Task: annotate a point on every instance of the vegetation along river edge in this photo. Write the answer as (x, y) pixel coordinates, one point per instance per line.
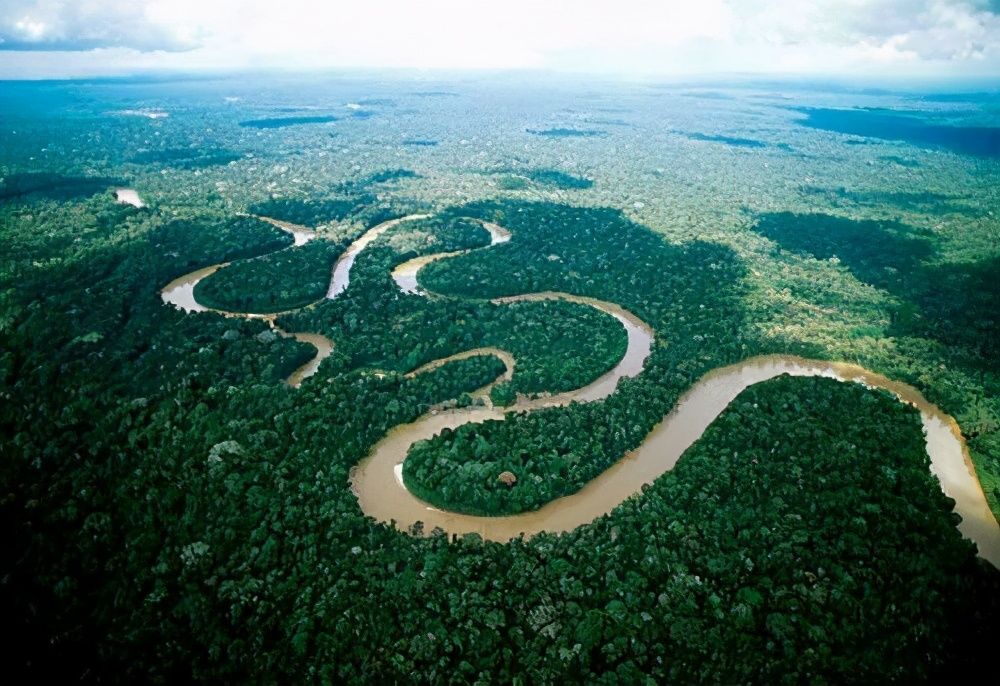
(378, 480)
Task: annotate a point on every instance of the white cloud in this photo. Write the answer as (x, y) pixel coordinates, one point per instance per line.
(83, 25)
(643, 36)
(915, 33)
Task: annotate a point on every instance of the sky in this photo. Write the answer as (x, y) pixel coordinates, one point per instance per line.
(912, 38)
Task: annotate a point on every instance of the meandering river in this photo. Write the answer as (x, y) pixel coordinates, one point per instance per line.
(377, 480)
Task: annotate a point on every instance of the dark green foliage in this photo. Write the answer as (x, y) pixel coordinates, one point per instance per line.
(768, 556)
(558, 346)
(955, 303)
(389, 175)
(176, 514)
(124, 326)
(375, 178)
(501, 395)
(513, 183)
(419, 237)
(308, 212)
(53, 186)
(557, 179)
(877, 251)
(284, 280)
(548, 178)
(188, 244)
(689, 294)
(282, 122)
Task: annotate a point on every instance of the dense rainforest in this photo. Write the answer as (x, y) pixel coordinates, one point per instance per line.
(181, 514)
(558, 345)
(176, 512)
(280, 281)
(457, 470)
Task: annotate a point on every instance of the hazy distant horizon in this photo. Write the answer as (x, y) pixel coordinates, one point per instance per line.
(530, 78)
(629, 39)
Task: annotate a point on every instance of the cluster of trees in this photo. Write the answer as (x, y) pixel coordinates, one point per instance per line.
(941, 309)
(553, 178)
(734, 141)
(362, 209)
(565, 345)
(283, 280)
(558, 346)
(308, 212)
(551, 453)
(952, 302)
(175, 513)
(691, 295)
(375, 178)
(184, 245)
(694, 297)
(112, 262)
(428, 235)
(547, 178)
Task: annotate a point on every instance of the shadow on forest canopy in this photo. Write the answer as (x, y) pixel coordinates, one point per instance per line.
(282, 122)
(54, 186)
(981, 141)
(732, 141)
(952, 303)
(920, 201)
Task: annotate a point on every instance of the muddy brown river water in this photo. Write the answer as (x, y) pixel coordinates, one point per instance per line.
(377, 480)
(378, 485)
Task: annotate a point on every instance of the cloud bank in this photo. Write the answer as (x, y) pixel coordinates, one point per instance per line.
(81, 25)
(918, 37)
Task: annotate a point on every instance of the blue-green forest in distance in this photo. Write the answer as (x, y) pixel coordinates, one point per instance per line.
(178, 511)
